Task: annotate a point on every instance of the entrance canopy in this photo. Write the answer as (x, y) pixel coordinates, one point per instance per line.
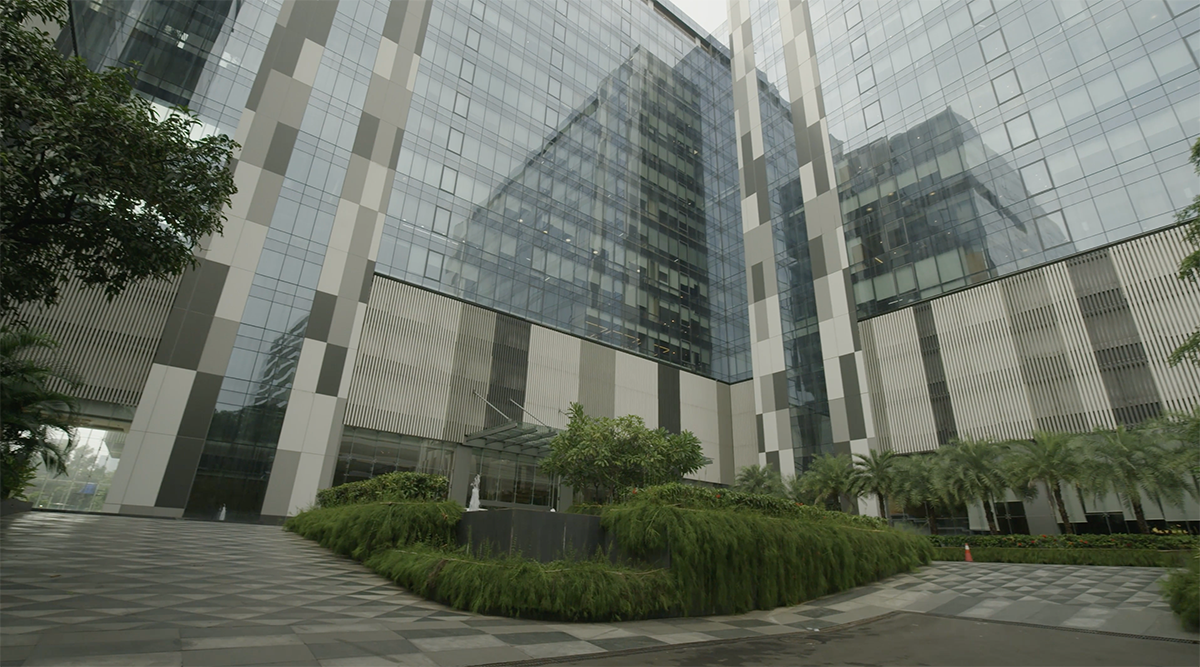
(514, 438)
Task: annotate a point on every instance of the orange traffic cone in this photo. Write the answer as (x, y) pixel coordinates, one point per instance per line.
(968, 552)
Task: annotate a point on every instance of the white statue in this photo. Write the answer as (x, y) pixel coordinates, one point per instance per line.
(473, 506)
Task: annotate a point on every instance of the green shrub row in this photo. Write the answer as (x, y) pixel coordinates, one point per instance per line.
(393, 486)
(363, 529)
(699, 497)
(1181, 589)
(729, 562)
(590, 590)
(1122, 557)
(1163, 542)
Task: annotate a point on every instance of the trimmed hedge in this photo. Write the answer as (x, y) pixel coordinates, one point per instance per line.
(395, 486)
(729, 562)
(363, 529)
(1119, 541)
(1123, 557)
(590, 590)
(1181, 589)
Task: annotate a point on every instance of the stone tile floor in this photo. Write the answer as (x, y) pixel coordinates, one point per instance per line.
(108, 590)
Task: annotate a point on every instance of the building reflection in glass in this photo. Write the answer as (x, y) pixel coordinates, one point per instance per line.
(933, 209)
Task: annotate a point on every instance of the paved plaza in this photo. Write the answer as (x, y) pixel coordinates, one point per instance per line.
(106, 590)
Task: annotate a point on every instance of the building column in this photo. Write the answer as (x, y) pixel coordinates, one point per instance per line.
(841, 349)
(771, 408)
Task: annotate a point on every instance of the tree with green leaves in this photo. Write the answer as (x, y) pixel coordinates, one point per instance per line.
(760, 479)
(827, 479)
(1048, 459)
(1189, 267)
(875, 473)
(1129, 462)
(96, 185)
(34, 416)
(918, 482)
(1180, 432)
(608, 456)
(973, 472)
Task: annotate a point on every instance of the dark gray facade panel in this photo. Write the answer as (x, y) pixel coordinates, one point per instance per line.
(855, 418)
(668, 398)
(333, 365)
(199, 410)
(280, 151)
(725, 432)
(180, 472)
(321, 318)
(189, 346)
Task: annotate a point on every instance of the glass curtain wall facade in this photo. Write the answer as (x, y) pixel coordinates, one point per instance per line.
(574, 164)
(975, 139)
(570, 163)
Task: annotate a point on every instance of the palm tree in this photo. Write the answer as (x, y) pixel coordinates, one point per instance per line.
(972, 471)
(31, 411)
(759, 479)
(1129, 462)
(1049, 459)
(1180, 432)
(875, 473)
(828, 477)
(917, 482)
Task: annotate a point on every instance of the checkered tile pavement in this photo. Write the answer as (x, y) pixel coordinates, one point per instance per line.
(91, 590)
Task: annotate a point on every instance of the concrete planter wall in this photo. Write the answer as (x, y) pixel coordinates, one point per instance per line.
(14, 506)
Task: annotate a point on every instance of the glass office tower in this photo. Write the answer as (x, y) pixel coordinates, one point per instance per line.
(985, 137)
(572, 164)
(799, 233)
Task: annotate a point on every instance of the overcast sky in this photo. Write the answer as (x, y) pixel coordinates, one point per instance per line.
(708, 13)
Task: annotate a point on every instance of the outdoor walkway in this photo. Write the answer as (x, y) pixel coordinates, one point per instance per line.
(107, 590)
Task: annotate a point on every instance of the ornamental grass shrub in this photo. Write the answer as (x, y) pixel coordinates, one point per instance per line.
(728, 553)
(360, 530)
(731, 560)
(395, 486)
(1111, 557)
(1181, 589)
(699, 497)
(566, 590)
(1116, 541)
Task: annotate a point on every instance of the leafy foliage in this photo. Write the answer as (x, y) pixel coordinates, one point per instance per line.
(95, 185)
(1189, 266)
(609, 456)
(1102, 557)
(1046, 459)
(972, 471)
(728, 562)
(360, 530)
(589, 590)
(828, 477)
(395, 486)
(918, 483)
(1181, 589)
(32, 412)
(875, 474)
(1130, 462)
(760, 479)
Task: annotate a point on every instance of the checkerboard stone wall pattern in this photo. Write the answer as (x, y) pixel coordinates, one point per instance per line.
(849, 404)
(89, 590)
(171, 423)
(772, 413)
